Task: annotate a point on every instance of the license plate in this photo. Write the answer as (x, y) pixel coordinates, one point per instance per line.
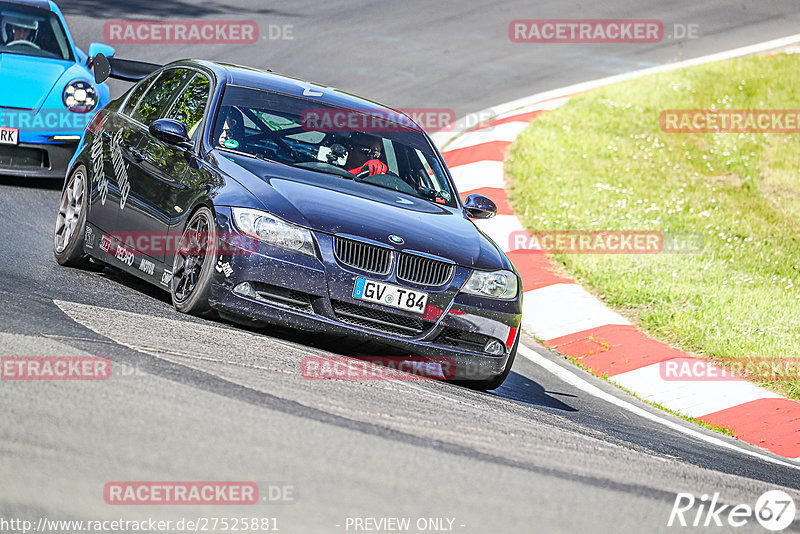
(389, 295)
(9, 136)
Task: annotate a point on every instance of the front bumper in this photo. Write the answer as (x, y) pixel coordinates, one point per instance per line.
(36, 160)
(305, 293)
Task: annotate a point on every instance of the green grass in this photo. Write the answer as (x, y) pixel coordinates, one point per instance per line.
(602, 162)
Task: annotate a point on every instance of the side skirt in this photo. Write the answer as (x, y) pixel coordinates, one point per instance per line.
(102, 246)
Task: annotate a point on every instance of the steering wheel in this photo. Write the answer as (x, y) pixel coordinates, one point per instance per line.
(24, 42)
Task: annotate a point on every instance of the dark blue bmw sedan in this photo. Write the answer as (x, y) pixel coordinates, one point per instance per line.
(269, 200)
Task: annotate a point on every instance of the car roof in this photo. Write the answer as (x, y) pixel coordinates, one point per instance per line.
(281, 83)
(41, 4)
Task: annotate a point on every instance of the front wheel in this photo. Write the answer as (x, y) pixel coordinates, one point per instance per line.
(497, 381)
(71, 221)
(193, 267)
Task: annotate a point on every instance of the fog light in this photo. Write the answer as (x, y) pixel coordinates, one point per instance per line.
(494, 347)
(246, 290)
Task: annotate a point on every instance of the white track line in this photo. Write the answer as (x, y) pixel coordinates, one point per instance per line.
(507, 131)
(539, 318)
(465, 123)
(574, 380)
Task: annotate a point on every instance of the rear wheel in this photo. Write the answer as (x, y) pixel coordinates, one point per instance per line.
(193, 266)
(71, 221)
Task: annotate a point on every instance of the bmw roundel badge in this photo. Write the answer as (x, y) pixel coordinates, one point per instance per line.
(396, 239)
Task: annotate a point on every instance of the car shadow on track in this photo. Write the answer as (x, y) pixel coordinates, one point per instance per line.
(520, 388)
(517, 387)
(335, 344)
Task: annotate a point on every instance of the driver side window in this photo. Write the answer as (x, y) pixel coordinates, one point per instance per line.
(153, 104)
(191, 104)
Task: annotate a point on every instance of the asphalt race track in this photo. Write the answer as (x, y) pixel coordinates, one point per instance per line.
(203, 400)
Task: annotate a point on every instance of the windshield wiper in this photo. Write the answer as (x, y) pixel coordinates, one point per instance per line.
(327, 168)
(388, 188)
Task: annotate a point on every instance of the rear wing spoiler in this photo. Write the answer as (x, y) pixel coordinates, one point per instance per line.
(121, 69)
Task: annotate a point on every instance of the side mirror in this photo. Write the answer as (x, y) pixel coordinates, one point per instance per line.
(480, 207)
(100, 48)
(96, 49)
(172, 132)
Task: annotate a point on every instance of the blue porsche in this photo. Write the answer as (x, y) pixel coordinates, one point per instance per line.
(47, 93)
(265, 200)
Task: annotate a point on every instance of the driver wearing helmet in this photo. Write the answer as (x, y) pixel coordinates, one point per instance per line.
(364, 152)
(20, 30)
(230, 129)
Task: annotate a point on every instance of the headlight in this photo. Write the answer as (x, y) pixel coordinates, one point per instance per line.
(272, 230)
(495, 284)
(79, 96)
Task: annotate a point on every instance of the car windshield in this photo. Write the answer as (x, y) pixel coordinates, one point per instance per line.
(30, 31)
(383, 151)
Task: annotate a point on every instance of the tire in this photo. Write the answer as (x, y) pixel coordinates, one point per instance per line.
(193, 267)
(497, 381)
(69, 233)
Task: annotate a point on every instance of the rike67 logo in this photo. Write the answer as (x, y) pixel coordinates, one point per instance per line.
(774, 510)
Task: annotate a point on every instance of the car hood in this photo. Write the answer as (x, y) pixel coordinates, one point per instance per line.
(336, 205)
(27, 80)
